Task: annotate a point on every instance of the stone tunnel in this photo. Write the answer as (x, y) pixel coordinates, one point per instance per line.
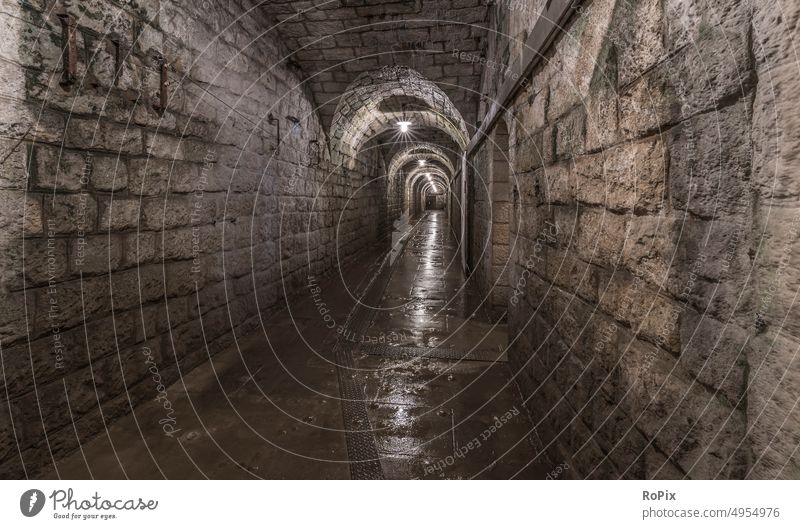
(366, 239)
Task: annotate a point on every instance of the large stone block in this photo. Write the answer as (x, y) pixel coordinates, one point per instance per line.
(137, 286)
(139, 247)
(569, 272)
(776, 135)
(101, 68)
(176, 211)
(711, 267)
(528, 153)
(650, 247)
(618, 436)
(17, 316)
(684, 421)
(14, 169)
(570, 134)
(103, 135)
(96, 254)
(600, 236)
(96, 16)
(33, 44)
(109, 173)
(34, 262)
(650, 314)
(30, 121)
(182, 243)
(709, 168)
(117, 214)
(605, 344)
(602, 118)
(21, 214)
(698, 78)
(776, 274)
(771, 23)
(687, 21)
(74, 213)
(554, 184)
(149, 176)
(716, 354)
(630, 176)
(64, 350)
(67, 304)
(637, 33)
(773, 420)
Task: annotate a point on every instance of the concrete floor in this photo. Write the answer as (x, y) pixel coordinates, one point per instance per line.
(270, 406)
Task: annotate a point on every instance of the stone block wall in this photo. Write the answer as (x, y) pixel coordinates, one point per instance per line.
(131, 231)
(479, 218)
(655, 241)
(489, 228)
(455, 204)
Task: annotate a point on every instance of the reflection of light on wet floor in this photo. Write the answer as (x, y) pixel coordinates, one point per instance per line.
(401, 417)
(431, 308)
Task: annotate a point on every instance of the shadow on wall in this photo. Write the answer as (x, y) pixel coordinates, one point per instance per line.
(655, 334)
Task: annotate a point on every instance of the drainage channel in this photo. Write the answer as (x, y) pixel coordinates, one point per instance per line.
(426, 352)
(361, 449)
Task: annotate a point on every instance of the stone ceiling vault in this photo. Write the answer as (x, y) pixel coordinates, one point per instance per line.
(335, 41)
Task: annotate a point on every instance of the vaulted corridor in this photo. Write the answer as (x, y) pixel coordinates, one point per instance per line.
(380, 239)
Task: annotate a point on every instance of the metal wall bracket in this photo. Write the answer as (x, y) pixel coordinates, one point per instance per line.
(69, 54)
(313, 153)
(163, 84)
(272, 120)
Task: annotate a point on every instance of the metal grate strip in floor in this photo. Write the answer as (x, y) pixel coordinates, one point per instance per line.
(430, 352)
(361, 449)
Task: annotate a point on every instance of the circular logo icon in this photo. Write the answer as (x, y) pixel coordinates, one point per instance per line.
(31, 502)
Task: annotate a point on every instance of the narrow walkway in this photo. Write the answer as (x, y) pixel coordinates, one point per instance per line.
(431, 367)
(441, 400)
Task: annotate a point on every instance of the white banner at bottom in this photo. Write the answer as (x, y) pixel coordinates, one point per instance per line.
(398, 504)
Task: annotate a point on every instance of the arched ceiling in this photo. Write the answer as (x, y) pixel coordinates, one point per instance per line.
(420, 183)
(434, 137)
(416, 152)
(376, 101)
(420, 177)
(334, 41)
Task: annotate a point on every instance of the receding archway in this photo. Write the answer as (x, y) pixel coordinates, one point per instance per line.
(377, 101)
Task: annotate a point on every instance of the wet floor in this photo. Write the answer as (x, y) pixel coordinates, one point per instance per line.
(438, 395)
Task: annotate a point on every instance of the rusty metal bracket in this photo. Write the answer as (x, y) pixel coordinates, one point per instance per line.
(163, 93)
(313, 153)
(118, 59)
(272, 120)
(69, 54)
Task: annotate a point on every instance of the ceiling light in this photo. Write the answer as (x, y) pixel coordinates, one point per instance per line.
(403, 126)
(421, 163)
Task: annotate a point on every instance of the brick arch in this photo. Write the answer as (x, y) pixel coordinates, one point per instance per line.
(419, 151)
(436, 173)
(409, 154)
(416, 178)
(362, 111)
